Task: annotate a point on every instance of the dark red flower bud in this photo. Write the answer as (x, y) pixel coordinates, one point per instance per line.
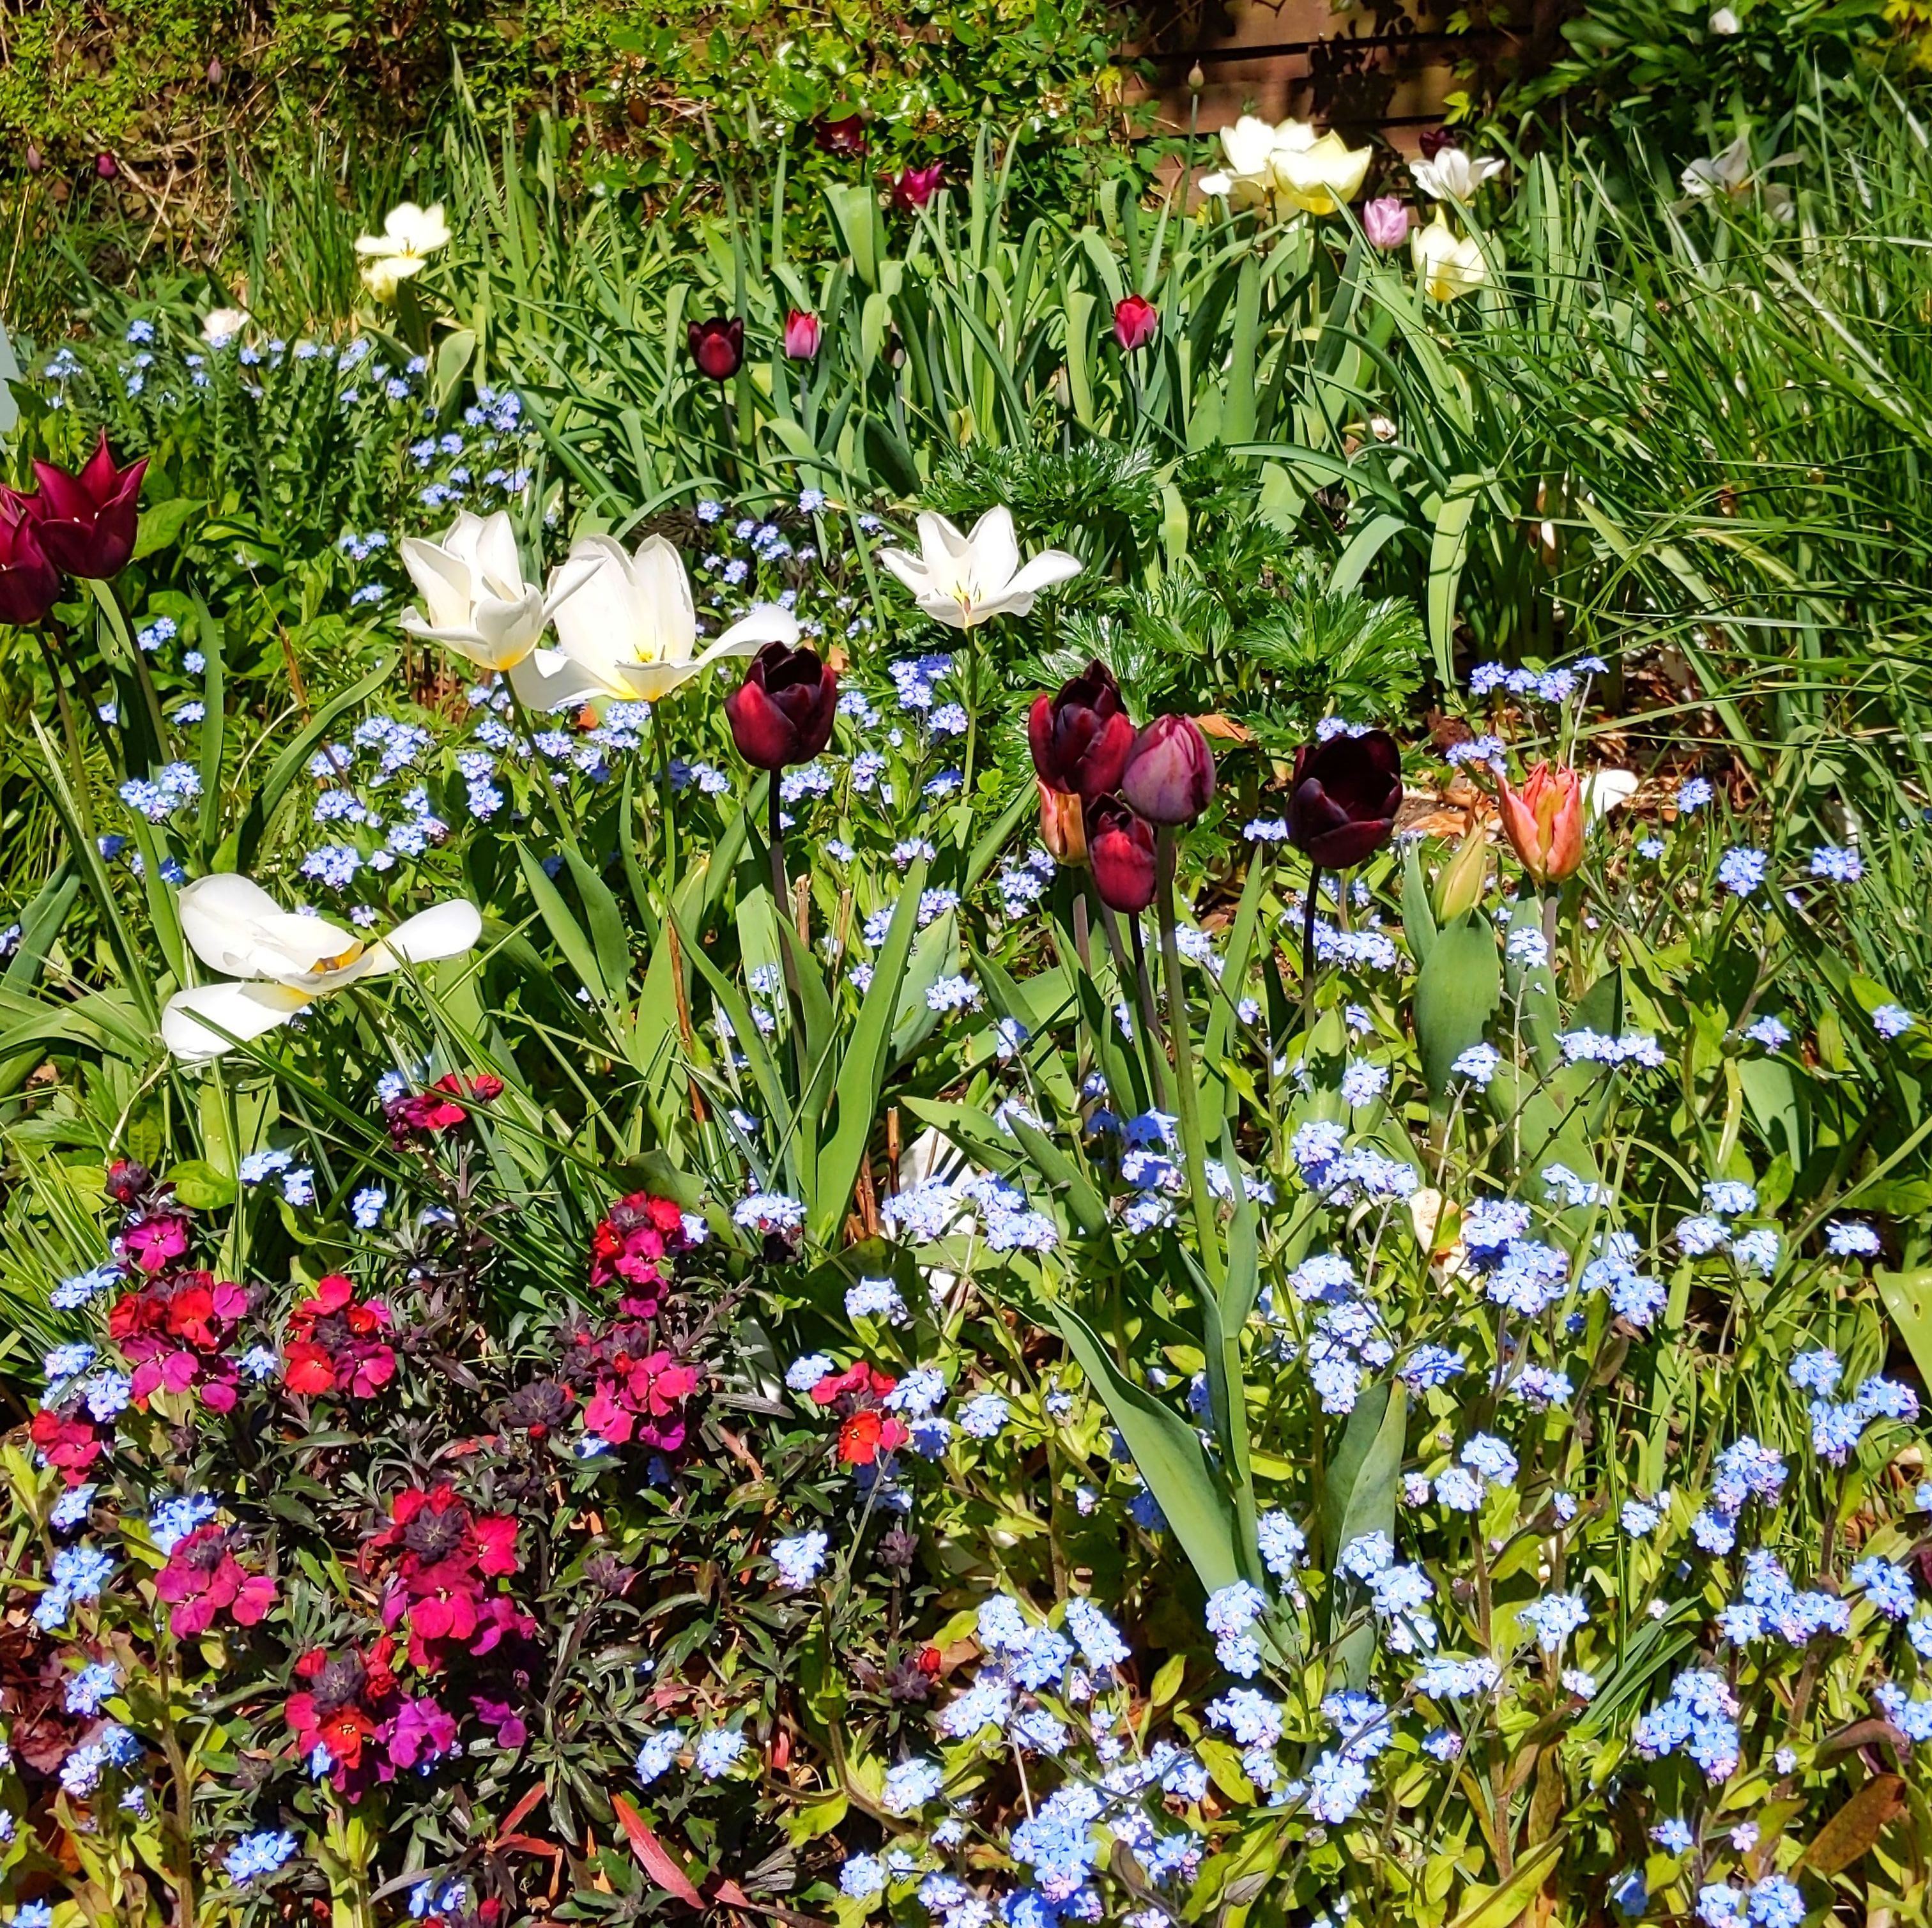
(916, 187)
(85, 523)
(717, 346)
(782, 713)
(104, 166)
(844, 136)
(1081, 737)
(1170, 772)
(1120, 846)
(1135, 320)
(1347, 793)
(29, 582)
(1434, 139)
(34, 161)
(128, 1178)
(214, 71)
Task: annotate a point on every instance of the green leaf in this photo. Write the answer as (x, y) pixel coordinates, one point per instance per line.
(1418, 920)
(566, 932)
(1359, 1496)
(1498, 1907)
(1170, 1458)
(161, 524)
(1448, 548)
(1458, 986)
(1908, 1298)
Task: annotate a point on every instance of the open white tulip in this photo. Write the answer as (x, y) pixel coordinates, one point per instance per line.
(1316, 172)
(1453, 176)
(1249, 144)
(285, 961)
(627, 628)
(1731, 174)
(1446, 266)
(963, 581)
(410, 235)
(479, 604)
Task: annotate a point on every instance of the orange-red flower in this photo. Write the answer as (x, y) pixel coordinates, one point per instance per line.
(1544, 821)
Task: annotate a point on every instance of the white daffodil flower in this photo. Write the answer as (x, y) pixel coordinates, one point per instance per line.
(285, 961)
(1316, 172)
(410, 235)
(964, 580)
(627, 628)
(479, 605)
(1447, 265)
(1249, 146)
(1453, 176)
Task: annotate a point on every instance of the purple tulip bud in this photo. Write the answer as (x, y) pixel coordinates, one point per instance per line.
(35, 163)
(1170, 773)
(1385, 221)
(214, 71)
(104, 167)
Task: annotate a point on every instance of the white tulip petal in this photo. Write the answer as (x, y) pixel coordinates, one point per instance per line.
(497, 559)
(1042, 572)
(547, 679)
(443, 579)
(211, 1019)
(910, 569)
(445, 930)
(664, 620)
(765, 622)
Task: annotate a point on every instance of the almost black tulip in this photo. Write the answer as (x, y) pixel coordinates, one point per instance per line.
(717, 346)
(782, 713)
(1081, 737)
(1347, 793)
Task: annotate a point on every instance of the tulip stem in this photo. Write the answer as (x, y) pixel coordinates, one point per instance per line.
(667, 835)
(1156, 1055)
(1308, 958)
(781, 910)
(1193, 1147)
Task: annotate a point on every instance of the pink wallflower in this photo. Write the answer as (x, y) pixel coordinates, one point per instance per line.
(202, 1576)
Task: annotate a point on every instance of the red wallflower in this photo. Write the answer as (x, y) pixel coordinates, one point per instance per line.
(439, 1585)
(858, 1381)
(68, 1440)
(202, 1576)
(432, 1112)
(336, 1344)
(347, 1700)
(175, 1332)
(643, 1399)
(627, 1247)
(869, 1430)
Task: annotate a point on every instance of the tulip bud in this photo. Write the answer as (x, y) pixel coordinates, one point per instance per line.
(34, 162)
(1434, 139)
(1459, 886)
(1196, 78)
(1347, 793)
(1062, 827)
(1544, 822)
(717, 346)
(1120, 847)
(915, 187)
(214, 71)
(104, 167)
(802, 335)
(1081, 737)
(1135, 320)
(782, 713)
(1170, 772)
(1385, 221)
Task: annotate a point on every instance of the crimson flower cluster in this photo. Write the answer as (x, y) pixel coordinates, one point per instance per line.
(442, 1558)
(79, 525)
(867, 1432)
(629, 1247)
(337, 1345)
(202, 1577)
(427, 1115)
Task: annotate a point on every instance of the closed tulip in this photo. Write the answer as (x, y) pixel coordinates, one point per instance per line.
(1543, 821)
(802, 333)
(1082, 736)
(915, 187)
(1136, 320)
(717, 346)
(1120, 847)
(1063, 824)
(84, 524)
(1170, 771)
(29, 582)
(1385, 221)
(1347, 793)
(846, 135)
(781, 714)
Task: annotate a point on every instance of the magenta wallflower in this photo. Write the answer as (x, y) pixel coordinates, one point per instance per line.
(202, 1576)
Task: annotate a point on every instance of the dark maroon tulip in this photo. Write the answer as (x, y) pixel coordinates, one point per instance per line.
(1347, 793)
(782, 713)
(29, 582)
(916, 187)
(1120, 847)
(1170, 772)
(85, 523)
(1434, 139)
(846, 135)
(717, 346)
(1081, 737)
(1136, 321)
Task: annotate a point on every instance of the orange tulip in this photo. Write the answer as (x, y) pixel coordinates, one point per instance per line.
(1544, 821)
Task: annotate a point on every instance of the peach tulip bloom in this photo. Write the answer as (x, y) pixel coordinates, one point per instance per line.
(1544, 821)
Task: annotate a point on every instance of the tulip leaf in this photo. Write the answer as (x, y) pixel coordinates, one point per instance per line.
(1908, 1298)
(1418, 920)
(1168, 1455)
(565, 930)
(1458, 986)
(1358, 1496)
(1448, 548)
(40, 924)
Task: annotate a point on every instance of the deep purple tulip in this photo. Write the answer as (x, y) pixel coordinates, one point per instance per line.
(85, 523)
(29, 582)
(717, 346)
(1170, 772)
(781, 714)
(1082, 736)
(1120, 847)
(1347, 793)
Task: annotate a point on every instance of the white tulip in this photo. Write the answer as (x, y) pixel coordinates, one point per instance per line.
(1452, 176)
(1725, 22)
(963, 581)
(410, 235)
(220, 326)
(1446, 266)
(626, 626)
(285, 961)
(1249, 146)
(478, 603)
(1316, 172)
(1731, 174)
